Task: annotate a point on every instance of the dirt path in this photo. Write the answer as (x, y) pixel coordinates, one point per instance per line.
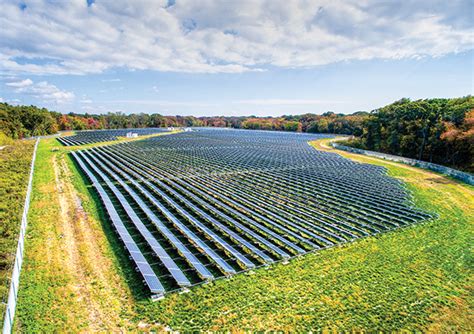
(96, 283)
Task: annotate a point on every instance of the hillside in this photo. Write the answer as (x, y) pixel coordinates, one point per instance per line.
(416, 278)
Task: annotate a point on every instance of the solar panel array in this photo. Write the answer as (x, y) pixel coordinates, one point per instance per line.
(196, 206)
(95, 136)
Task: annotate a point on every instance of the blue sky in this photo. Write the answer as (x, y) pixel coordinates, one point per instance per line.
(233, 58)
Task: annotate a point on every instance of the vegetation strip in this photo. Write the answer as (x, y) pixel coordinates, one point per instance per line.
(15, 163)
(15, 275)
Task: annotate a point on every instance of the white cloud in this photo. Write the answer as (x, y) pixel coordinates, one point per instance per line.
(155, 89)
(42, 91)
(20, 84)
(224, 36)
(111, 80)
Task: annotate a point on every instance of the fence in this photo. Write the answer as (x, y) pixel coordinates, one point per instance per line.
(15, 280)
(463, 176)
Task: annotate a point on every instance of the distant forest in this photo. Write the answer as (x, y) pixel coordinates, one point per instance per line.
(435, 130)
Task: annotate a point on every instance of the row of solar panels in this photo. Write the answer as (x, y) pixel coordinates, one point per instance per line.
(238, 161)
(96, 136)
(197, 214)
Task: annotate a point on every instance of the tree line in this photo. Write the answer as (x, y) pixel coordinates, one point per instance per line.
(26, 121)
(435, 130)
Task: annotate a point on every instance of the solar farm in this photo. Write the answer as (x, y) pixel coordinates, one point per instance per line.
(96, 136)
(196, 206)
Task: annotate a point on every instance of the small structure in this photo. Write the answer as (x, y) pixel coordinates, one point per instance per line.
(188, 129)
(132, 135)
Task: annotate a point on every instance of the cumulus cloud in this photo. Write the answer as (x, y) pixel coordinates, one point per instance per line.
(42, 91)
(224, 36)
(20, 84)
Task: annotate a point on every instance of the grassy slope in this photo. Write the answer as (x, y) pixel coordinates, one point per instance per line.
(416, 278)
(45, 287)
(15, 160)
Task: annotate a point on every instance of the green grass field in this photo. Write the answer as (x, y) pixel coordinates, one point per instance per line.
(15, 160)
(417, 278)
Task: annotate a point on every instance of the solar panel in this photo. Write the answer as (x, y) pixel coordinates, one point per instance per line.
(202, 213)
(177, 274)
(215, 202)
(96, 136)
(142, 264)
(202, 270)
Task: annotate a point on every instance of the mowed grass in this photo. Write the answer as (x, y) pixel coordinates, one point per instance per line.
(44, 300)
(417, 278)
(15, 162)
